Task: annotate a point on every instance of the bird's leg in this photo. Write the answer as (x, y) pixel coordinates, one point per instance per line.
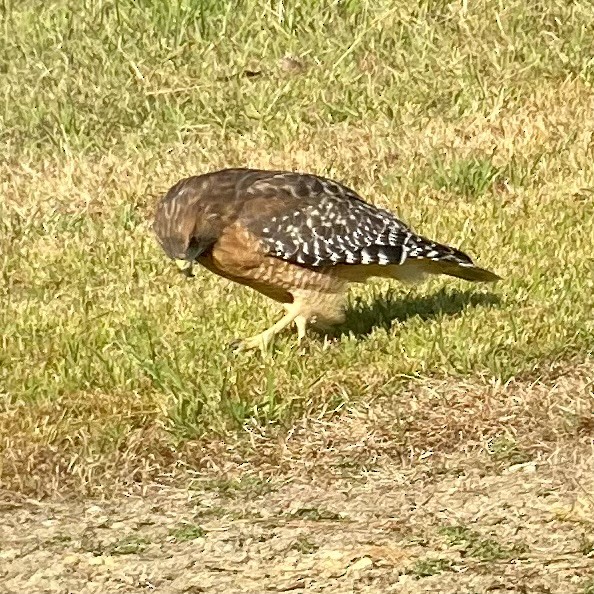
(301, 323)
(263, 339)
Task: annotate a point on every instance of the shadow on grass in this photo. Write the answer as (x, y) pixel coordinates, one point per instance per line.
(362, 317)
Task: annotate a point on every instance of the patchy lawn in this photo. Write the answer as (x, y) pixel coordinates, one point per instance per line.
(441, 440)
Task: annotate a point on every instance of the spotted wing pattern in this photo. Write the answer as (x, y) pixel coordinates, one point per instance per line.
(324, 223)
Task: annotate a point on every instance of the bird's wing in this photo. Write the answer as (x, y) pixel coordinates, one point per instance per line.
(317, 222)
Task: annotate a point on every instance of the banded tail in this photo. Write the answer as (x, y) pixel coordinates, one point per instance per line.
(437, 258)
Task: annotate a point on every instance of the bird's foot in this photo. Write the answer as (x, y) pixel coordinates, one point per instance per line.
(261, 341)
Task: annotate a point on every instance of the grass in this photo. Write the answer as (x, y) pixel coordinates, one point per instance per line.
(471, 544)
(304, 545)
(469, 177)
(430, 566)
(472, 120)
(586, 546)
(247, 486)
(129, 546)
(314, 514)
(187, 532)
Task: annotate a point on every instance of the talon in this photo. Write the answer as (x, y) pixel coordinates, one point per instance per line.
(236, 345)
(248, 344)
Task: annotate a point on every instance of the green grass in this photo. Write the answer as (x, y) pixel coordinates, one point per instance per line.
(187, 532)
(314, 514)
(430, 566)
(471, 120)
(129, 546)
(469, 177)
(471, 544)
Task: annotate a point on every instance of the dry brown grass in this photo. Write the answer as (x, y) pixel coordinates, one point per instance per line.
(423, 423)
(441, 486)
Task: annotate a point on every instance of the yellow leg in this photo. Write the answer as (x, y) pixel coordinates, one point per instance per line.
(304, 309)
(301, 323)
(263, 339)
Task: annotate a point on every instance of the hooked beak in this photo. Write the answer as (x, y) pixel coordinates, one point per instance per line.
(185, 267)
(185, 259)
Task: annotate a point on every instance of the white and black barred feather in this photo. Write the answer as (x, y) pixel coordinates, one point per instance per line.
(330, 224)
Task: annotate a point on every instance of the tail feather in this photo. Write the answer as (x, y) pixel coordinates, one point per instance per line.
(437, 258)
(468, 272)
(409, 258)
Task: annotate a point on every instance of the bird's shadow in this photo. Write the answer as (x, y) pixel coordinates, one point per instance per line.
(363, 317)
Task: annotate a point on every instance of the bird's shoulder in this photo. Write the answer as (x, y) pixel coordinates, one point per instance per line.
(300, 188)
(246, 186)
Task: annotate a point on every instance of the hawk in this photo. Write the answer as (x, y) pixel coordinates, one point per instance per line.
(299, 239)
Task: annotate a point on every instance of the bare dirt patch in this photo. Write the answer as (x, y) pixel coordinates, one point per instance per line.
(463, 487)
(527, 529)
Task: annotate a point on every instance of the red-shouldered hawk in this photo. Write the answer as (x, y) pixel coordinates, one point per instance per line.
(299, 239)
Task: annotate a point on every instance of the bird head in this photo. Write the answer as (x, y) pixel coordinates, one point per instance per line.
(183, 225)
(182, 246)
